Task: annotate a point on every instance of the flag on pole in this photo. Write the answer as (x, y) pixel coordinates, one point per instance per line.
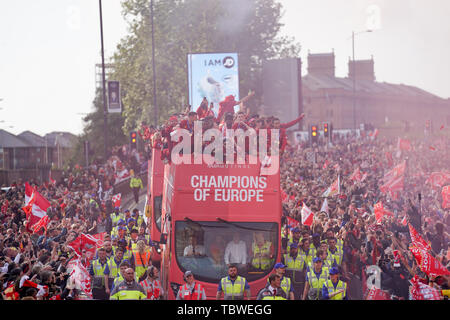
(417, 240)
(427, 263)
(307, 216)
(292, 223)
(117, 200)
(325, 206)
(380, 211)
(334, 189)
(38, 208)
(42, 223)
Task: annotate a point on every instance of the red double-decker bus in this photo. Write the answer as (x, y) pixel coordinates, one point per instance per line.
(154, 198)
(206, 208)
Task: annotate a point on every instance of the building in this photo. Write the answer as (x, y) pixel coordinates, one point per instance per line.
(359, 99)
(29, 155)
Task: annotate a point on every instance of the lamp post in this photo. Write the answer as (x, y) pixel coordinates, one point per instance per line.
(105, 111)
(153, 66)
(354, 74)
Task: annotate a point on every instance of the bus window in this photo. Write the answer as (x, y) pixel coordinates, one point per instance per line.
(205, 248)
(157, 202)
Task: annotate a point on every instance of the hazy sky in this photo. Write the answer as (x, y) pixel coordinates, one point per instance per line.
(49, 48)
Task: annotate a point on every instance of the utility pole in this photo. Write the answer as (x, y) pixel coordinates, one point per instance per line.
(105, 110)
(153, 67)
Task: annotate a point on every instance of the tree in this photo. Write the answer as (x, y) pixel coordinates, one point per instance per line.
(93, 132)
(249, 27)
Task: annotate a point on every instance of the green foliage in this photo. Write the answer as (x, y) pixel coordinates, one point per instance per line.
(249, 27)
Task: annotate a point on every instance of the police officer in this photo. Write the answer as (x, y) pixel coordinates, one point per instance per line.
(99, 272)
(191, 290)
(128, 289)
(233, 286)
(336, 252)
(273, 291)
(334, 288)
(315, 279)
(293, 260)
(294, 237)
(136, 185)
(285, 282)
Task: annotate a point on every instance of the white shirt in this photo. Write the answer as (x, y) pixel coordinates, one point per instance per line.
(199, 250)
(236, 253)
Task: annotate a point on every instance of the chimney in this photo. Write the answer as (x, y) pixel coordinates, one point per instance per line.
(364, 69)
(321, 64)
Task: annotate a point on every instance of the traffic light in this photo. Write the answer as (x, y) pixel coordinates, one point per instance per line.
(314, 133)
(133, 140)
(325, 129)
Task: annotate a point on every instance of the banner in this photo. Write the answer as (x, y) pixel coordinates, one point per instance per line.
(427, 263)
(114, 99)
(213, 76)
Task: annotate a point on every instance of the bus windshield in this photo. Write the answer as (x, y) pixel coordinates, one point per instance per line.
(207, 247)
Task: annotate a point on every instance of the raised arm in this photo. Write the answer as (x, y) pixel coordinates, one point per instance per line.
(293, 122)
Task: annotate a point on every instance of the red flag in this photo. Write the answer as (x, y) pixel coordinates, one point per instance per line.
(88, 243)
(378, 294)
(446, 197)
(438, 179)
(292, 223)
(417, 240)
(117, 200)
(51, 181)
(42, 223)
(307, 216)
(39, 206)
(427, 263)
(356, 175)
(404, 144)
(380, 212)
(421, 291)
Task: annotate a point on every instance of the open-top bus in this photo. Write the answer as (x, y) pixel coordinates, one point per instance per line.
(211, 204)
(154, 202)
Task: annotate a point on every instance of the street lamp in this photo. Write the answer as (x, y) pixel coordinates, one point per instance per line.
(105, 120)
(354, 73)
(153, 66)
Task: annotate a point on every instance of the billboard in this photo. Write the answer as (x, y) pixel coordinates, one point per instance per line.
(214, 76)
(114, 104)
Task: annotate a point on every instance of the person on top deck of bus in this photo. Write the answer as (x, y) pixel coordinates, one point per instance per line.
(227, 124)
(194, 249)
(236, 252)
(188, 123)
(262, 252)
(228, 104)
(202, 108)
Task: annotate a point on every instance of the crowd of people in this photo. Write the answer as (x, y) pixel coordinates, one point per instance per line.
(346, 234)
(36, 264)
(327, 259)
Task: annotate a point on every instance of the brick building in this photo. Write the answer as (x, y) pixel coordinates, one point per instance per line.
(330, 98)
